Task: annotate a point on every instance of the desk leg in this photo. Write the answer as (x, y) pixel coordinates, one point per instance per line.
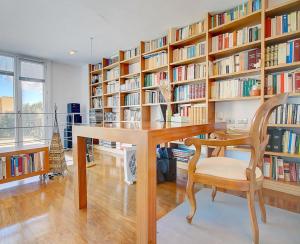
(146, 191)
(80, 188)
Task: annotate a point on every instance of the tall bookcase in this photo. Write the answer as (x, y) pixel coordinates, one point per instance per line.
(251, 18)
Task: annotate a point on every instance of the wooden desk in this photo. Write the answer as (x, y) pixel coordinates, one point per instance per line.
(145, 135)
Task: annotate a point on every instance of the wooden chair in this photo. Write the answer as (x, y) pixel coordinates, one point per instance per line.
(232, 174)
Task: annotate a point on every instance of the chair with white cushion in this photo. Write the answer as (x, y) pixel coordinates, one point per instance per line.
(233, 174)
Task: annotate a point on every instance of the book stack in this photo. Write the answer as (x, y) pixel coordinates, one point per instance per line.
(286, 114)
(111, 116)
(128, 54)
(177, 34)
(96, 66)
(154, 79)
(235, 13)
(281, 82)
(183, 154)
(278, 169)
(281, 24)
(132, 114)
(156, 43)
(281, 140)
(96, 79)
(97, 91)
(131, 84)
(184, 110)
(95, 117)
(113, 101)
(198, 113)
(152, 96)
(241, 87)
(189, 72)
(236, 38)
(97, 103)
(156, 60)
(113, 74)
(242, 61)
(190, 91)
(132, 99)
(113, 86)
(27, 163)
(2, 168)
(134, 68)
(113, 59)
(283, 53)
(187, 52)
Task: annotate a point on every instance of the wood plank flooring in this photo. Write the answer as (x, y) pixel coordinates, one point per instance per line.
(32, 211)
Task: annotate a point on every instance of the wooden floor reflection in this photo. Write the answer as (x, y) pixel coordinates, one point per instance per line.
(43, 212)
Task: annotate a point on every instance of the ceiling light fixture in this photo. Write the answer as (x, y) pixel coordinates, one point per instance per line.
(72, 52)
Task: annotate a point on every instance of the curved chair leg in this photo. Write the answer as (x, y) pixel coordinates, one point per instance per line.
(214, 193)
(262, 206)
(192, 201)
(253, 220)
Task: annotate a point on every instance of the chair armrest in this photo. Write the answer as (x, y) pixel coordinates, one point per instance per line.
(226, 136)
(219, 143)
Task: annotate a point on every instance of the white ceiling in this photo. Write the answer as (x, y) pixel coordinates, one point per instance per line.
(51, 28)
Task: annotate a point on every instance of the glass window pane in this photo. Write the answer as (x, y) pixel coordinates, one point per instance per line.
(7, 121)
(32, 70)
(6, 63)
(33, 103)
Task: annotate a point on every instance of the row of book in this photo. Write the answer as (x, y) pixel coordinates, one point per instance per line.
(132, 99)
(198, 113)
(156, 60)
(96, 79)
(235, 13)
(134, 68)
(113, 73)
(111, 116)
(153, 96)
(113, 101)
(156, 43)
(187, 52)
(282, 82)
(282, 140)
(97, 91)
(189, 72)
(246, 60)
(283, 53)
(154, 79)
(112, 86)
(113, 59)
(2, 168)
(177, 34)
(130, 84)
(241, 87)
(190, 91)
(236, 38)
(281, 24)
(95, 116)
(286, 114)
(132, 115)
(128, 54)
(97, 103)
(183, 154)
(96, 67)
(277, 169)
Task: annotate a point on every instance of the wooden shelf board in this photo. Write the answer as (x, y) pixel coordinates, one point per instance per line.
(285, 125)
(111, 66)
(96, 72)
(131, 91)
(115, 79)
(189, 61)
(155, 50)
(234, 99)
(282, 8)
(111, 107)
(156, 69)
(188, 40)
(241, 73)
(281, 154)
(131, 106)
(96, 84)
(227, 51)
(282, 67)
(150, 87)
(11, 151)
(153, 104)
(111, 93)
(190, 101)
(24, 176)
(96, 96)
(130, 75)
(292, 188)
(282, 38)
(131, 60)
(238, 23)
(291, 94)
(97, 108)
(188, 81)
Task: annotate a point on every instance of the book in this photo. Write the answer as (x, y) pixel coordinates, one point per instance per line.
(130, 84)
(155, 79)
(190, 91)
(189, 72)
(132, 99)
(156, 43)
(156, 60)
(190, 51)
(267, 167)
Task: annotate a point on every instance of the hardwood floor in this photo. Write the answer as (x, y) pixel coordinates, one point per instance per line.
(32, 211)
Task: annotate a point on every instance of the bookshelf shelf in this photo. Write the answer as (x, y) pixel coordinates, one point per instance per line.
(234, 99)
(236, 74)
(189, 61)
(188, 40)
(155, 50)
(190, 101)
(283, 186)
(130, 75)
(115, 79)
(281, 38)
(238, 23)
(285, 125)
(111, 66)
(153, 104)
(290, 95)
(131, 106)
(187, 81)
(96, 84)
(229, 51)
(96, 96)
(281, 154)
(156, 69)
(150, 87)
(131, 91)
(96, 72)
(131, 60)
(282, 67)
(282, 7)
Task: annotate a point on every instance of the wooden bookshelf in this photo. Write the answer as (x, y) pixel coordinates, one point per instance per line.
(254, 18)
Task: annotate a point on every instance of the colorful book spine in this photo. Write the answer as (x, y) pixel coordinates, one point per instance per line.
(132, 99)
(154, 79)
(156, 43)
(189, 72)
(188, 52)
(188, 92)
(156, 60)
